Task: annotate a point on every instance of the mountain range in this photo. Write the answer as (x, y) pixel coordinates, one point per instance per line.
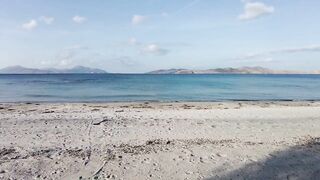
(242, 70)
(87, 70)
(74, 70)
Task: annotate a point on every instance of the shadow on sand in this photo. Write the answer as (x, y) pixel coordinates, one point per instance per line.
(298, 162)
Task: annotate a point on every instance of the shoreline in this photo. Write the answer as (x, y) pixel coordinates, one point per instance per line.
(152, 140)
(164, 74)
(162, 101)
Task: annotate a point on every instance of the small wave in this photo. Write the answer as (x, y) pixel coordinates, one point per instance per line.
(38, 81)
(42, 96)
(117, 96)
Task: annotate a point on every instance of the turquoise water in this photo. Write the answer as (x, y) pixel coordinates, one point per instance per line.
(143, 87)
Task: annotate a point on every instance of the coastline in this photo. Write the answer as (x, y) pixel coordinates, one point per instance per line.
(160, 140)
(159, 101)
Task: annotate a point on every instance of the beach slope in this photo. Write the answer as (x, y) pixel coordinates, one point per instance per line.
(199, 140)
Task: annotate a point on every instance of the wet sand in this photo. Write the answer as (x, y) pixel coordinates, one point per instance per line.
(198, 140)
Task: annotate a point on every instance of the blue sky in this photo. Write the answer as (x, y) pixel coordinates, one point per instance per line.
(144, 35)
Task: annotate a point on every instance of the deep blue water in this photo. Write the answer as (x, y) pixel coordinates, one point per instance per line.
(140, 87)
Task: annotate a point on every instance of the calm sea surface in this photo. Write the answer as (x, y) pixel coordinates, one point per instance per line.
(128, 87)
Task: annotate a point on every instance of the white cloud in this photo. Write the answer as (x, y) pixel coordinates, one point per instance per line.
(46, 63)
(79, 19)
(68, 55)
(133, 41)
(65, 63)
(46, 19)
(147, 48)
(138, 19)
(30, 25)
(154, 49)
(187, 6)
(126, 61)
(254, 10)
(77, 47)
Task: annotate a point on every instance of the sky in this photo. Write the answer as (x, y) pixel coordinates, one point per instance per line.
(132, 36)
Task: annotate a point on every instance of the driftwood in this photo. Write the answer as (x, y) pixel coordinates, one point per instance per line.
(104, 120)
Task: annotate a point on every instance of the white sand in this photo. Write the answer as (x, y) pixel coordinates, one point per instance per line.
(238, 140)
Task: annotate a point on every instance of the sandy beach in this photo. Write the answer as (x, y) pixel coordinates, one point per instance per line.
(198, 140)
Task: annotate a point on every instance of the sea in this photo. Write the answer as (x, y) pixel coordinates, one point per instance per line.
(148, 87)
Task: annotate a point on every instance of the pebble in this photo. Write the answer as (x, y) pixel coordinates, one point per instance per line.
(221, 155)
(155, 164)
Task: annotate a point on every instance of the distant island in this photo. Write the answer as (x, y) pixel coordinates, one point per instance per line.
(88, 70)
(74, 70)
(242, 70)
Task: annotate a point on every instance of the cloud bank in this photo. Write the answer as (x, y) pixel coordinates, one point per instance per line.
(313, 48)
